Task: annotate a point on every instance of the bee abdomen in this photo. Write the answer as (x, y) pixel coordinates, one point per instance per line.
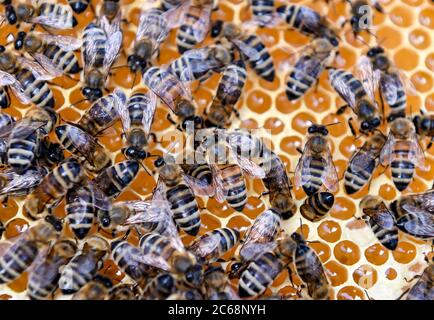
(235, 186)
(37, 90)
(185, 39)
(262, 8)
(79, 6)
(264, 66)
(354, 85)
(228, 238)
(21, 152)
(136, 106)
(43, 281)
(184, 208)
(402, 171)
(72, 278)
(113, 180)
(227, 92)
(65, 60)
(123, 255)
(201, 172)
(99, 117)
(314, 173)
(356, 180)
(387, 237)
(16, 260)
(297, 82)
(317, 206)
(154, 243)
(80, 217)
(97, 35)
(5, 101)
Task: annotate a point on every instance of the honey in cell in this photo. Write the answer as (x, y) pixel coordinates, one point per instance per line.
(347, 252)
(336, 273)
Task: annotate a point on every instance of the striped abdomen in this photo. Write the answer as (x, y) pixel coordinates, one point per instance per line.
(179, 66)
(313, 174)
(160, 287)
(353, 84)
(43, 281)
(232, 83)
(79, 271)
(423, 289)
(357, 177)
(16, 260)
(259, 275)
(99, 117)
(5, 100)
(185, 38)
(234, 184)
(184, 208)
(263, 10)
(123, 255)
(58, 13)
(137, 104)
(303, 75)
(264, 66)
(21, 150)
(113, 180)
(80, 211)
(387, 237)
(396, 101)
(401, 165)
(201, 172)
(64, 60)
(37, 91)
(317, 206)
(295, 17)
(94, 36)
(156, 244)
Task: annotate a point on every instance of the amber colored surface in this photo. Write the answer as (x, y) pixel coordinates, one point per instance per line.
(330, 231)
(347, 252)
(365, 276)
(350, 293)
(405, 252)
(19, 284)
(376, 254)
(391, 274)
(15, 227)
(343, 208)
(322, 250)
(336, 273)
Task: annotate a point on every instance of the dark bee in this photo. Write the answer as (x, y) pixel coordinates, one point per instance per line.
(310, 269)
(251, 46)
(82, 268)
(79, 6)
(423, 289)
(214, 244)
(413, 214)
(53, 52)
(403, 152)
(7, 123)
(53, 187)
(381, 221)
(363, 163)
(174, 94)
(83, 145)
(25, 250)
(228, 93)
(424, 125)
(361, 17)
(358, 94)
(96, 289)
(123, 254)
(308, 67)
(308, 22)
(44, 277)
(123, 292)
(160, 287)
(217, 285)
(315, 166)
(316, 206)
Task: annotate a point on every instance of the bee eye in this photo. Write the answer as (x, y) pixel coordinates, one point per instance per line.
(365, 125)
(105, 222)
(312, 129)
(375, 122)
(159, 162)
(324, 132)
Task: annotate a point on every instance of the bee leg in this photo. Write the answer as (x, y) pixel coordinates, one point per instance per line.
(382, 106)
(153, 136)
(350, 124)
(236, 112)
(92, 8)
(290, 275)
(344, 22)
(54, 84)
(410, 280)
(403, 294)
(341, 109)
(263, 194)
(169, 118)
(430, 143)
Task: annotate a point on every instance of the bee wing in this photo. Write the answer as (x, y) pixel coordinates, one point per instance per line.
(149, 112)
(360, 161)
(251, 53)
(206, 245)
(408, 83)
(199, 187)
(219, 190)
(6, 79)
(37, 69)
(16, 182)
(422, 224)
(417, 155)
(56, 18)
(381, 216)
(83, 142)
(110, 27)
(250, 167)
(90, 48)
(48, 65)
(26, 127)
(310, 18)
(386, 151)
(330, 175)
(99, 199)
(202, 25)
(114, 43)
(66, 43)
(389, 85)
(152, 260)
(343, 90)
(175, 16)
(303, 164)
(124, 115)
(252, 251)
(368, 76)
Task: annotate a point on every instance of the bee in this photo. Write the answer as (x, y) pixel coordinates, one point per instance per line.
(358, 94)
(123, 292)
(26, 249)
(20, 184)
(315, 166)
(363, 163)
(26, 79)
(44, 277)
(309, 66)
(174, 94)
(52, 188)
(212, 245)
(263, 11)
(123, 254)
(83, 203)
(361, 17)
(424, 125)
(53, 52)
(413, 214)
(403, 152)
(251, 46)
(83, 145)
(137, 116)
(113, 180)
(228, 93)
(196, 21)
(99, 52)
(5, 100)
(186, 294)
(103, 113)
(82, 268)
(316, 206)
(217, 285)
(96, 289)
(50, 153)
(423, 288)
(160, 287)
(310, 269)
(46, 14)
(308, 22)
(393, 84)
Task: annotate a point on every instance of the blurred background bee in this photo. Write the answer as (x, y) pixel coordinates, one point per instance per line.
(79, 6)
(424, 125)
(160, 287)
(380, 220)
(361, 15)
(124, 291)
(402, 152)
(96, 289)
(315, 166)
(217, 284)
(423, 288)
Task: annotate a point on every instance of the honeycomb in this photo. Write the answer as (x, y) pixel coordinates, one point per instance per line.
(353, 259)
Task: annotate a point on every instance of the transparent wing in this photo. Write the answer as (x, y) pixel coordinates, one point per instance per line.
(48, 65)
(199, 187)
(360, 161)
(302, 165)
(343, 89)
(124, 115)
(408, 83)
(152, 260)
(6, 79)
(206, 245)
(114, 43)
(423, 223)
(370, 78)
(219, 190)
(66, 43)
(250, 52)
(26, 127)
(99, 199)
(250, 167)
(330, 176)
(55, 19)
(90, 48)
(153, 24)
(18, 182)
(202, 25)
(386, 152)
(389, 87)
(382, 216)
(149, 112)
(417, 155)
(111, 27)
(38, 71)
(252, 251)
(310, 18)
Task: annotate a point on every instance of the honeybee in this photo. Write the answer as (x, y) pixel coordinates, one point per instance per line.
(96, 289)
(123, 292)
(53, 52)
(212, 245)
(26, 79)
(217, 285)
(83, 267)
(47, 14)
(316, 206)
(263, 11)
(113, 180)
(196, 21)
(413, 214)
(137, 116)
(363, 163)
(424, 125)
(174, 94)
(25, 250)
(358, 94)
(310, 269)
(381, 221)
(50, 153)
(160, 287)
(393, 84)
(309, 66)
(20, 184)
(83, 203)
(361, 16)
(403, 152)
(250, 45)
(308, 22)
(423, 288)
(99, 52)
(315, 166)
(44, 277)
(228, 93)
(83, 145)
(52, 188)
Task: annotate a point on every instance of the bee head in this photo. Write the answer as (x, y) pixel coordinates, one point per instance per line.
(55, 153)
(110, 9)
(7, 60)
(370, 125)
(284, 204)
(196, 120)
(297, 237)
(318, 129)
(24, 11)
(231, 31)
(106, 282)
(355, 23)
(235, 268)
(194, 275)
(91, 94)
(31, 43)
(375, 51)
(78, 6)
(104, 218)
(401, 127)
(166, 281)
(217, 27)
(135, 153)
(159, 162)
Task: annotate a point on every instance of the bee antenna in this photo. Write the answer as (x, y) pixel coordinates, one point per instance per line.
(363, 41)
(332, 124)
(301, 226)
(78, 102)
(144, 168)
(119, 67)
(134, 80)
(371, 33)
(382, 40)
